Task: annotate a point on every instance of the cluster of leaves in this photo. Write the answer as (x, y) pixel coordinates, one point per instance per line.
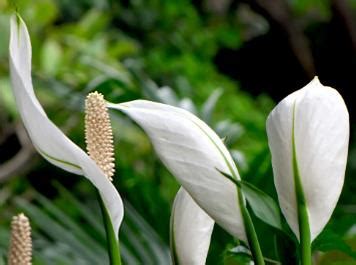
(158, 50)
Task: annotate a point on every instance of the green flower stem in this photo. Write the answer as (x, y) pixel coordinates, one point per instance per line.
(112, 243)
(305, 242)
(250, 232)
(248, 224)
(249, 227)
(303, 219)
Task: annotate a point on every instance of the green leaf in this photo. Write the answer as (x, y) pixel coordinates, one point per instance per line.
(145, 235)
(2, 260)
(328, 240)
(51, 55)
(70, 224)
(241, 250)
(262, 205)
(137, 237)
(82, 209)
(209, 105)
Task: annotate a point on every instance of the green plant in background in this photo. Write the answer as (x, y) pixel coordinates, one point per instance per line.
(83, 46)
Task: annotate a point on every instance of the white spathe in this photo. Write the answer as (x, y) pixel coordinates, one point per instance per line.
(191, 230)
(321, 135)
(50, 142)
(193, 153)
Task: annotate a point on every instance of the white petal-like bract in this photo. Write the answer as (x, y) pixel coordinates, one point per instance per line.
(319, 118)
(50, 142)
(191, 230)
(193, 153)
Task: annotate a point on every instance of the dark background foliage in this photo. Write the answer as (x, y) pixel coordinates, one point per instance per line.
(227, 61)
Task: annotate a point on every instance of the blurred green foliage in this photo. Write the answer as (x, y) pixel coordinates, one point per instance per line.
(158, 50)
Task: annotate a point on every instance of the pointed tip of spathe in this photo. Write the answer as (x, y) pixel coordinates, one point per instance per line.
(16, 18)
(17, 25)
(120, 106)
(315, 81)
(314, 84)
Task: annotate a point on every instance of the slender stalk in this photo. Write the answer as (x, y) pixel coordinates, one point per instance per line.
(172, 243)
(303, 219)
(111, 239)
(304, 231)
(248, 224)
(250, 232)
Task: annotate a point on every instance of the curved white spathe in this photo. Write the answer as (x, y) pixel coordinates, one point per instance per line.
(50, 142)
(193, 153)
(191, 230)
(321, 136)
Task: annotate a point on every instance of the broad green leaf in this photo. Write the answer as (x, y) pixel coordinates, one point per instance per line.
(262, 205)
(329, 240)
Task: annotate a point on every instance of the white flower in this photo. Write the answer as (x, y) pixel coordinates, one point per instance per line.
(194, 154)
(314, 122)
(49, 141)
(191, 230)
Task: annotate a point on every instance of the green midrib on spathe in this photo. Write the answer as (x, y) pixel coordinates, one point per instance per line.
(49, 157)
(302, 210)
(248, 224)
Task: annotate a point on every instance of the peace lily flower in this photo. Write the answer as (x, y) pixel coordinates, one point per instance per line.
(50, 142)
(308, 134)
(191, 230)
(196, 156)
(193, 153)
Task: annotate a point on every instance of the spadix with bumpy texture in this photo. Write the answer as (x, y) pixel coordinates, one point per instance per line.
(308, 135)
(20, 251)
(194, 154)
(98, 133)
(47, 138)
